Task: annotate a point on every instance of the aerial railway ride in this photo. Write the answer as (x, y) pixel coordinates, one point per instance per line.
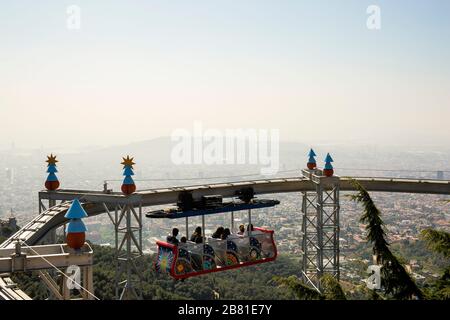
(190, 259)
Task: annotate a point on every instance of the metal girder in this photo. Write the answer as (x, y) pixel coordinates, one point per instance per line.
(51, 284)
(47, 257)
(38, 257)
(295, 184)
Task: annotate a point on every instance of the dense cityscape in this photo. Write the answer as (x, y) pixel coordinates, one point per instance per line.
(405, 215)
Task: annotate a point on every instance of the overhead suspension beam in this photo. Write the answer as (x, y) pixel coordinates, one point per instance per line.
(296, 184)
(97, 200)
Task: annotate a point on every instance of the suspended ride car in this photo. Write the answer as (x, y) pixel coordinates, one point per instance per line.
(184, 260)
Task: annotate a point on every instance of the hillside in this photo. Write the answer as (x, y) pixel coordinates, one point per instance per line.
(233, 284)
(250, 283)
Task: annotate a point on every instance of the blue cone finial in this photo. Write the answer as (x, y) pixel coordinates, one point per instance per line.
(75, 226)
(311, 155)
(75, 211)
(328, 161)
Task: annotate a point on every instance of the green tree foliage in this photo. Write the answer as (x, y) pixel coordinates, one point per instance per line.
(31, 284)
(418, 250)
(233, 284)
(440, 289)
(439, 242)
(300, 290)
(395, 280)
(361, 292)
(332, 290)
(6, 232)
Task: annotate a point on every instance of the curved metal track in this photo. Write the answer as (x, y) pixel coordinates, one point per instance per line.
(97, 203)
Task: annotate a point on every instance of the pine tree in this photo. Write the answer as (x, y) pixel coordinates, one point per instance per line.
(394, 278)
(439, 242)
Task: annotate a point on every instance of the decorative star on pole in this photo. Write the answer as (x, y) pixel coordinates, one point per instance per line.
(52, 182)
(128, 162)
(128, 186)
(51, 160)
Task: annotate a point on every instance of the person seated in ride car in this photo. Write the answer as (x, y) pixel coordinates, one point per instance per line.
(241, 231)
(225, 234)
(183, 242)
(173, 238)
(218, 233)
(197, 235)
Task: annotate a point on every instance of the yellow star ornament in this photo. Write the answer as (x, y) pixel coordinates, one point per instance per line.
(51, 160)
(128, 162)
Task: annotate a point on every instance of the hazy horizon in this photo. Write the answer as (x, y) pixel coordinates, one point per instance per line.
(334, 144)
(135, 72)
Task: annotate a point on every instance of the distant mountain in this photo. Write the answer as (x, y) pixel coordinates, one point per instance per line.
(153, 151)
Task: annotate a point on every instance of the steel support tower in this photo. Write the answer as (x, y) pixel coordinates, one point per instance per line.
(127, 223)
(320, 228)
(125, 213)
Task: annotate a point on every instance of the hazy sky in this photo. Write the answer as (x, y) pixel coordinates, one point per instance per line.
(140, 69)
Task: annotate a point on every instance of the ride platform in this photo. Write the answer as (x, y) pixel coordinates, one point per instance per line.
(176, 213)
